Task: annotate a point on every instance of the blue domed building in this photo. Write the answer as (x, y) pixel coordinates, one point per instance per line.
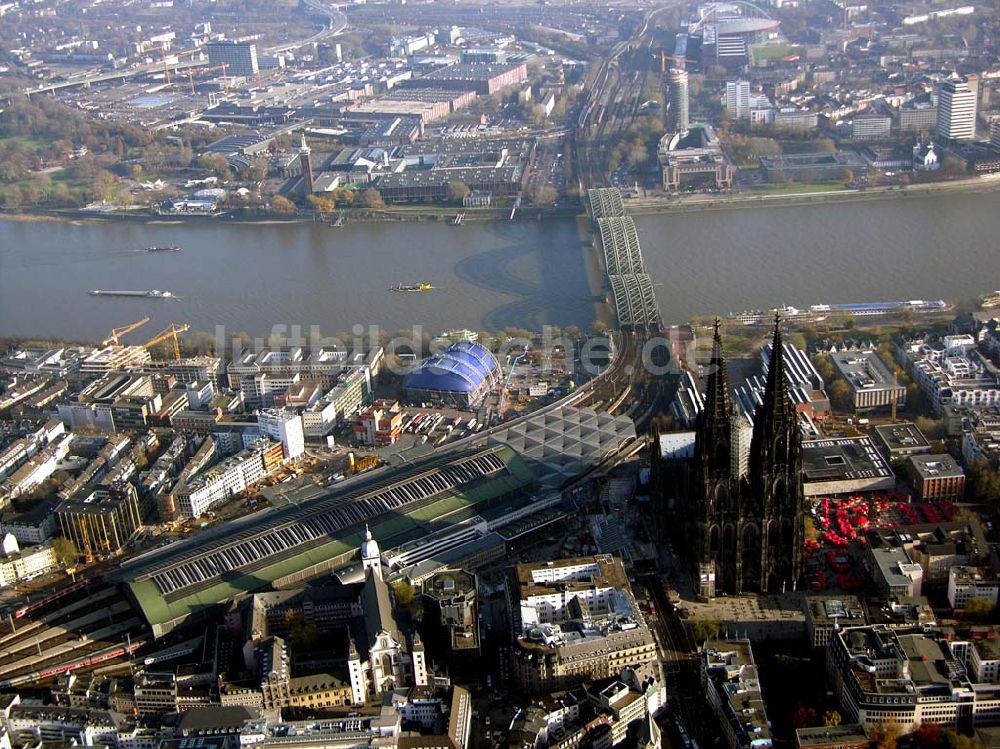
(460, 375)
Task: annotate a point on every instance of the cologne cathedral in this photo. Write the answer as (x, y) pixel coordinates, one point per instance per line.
(743, 533)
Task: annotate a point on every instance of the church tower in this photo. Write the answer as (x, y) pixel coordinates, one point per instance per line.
(773, 509)
(305, 163)
(715, 507)
(359, 684)
(371, 556)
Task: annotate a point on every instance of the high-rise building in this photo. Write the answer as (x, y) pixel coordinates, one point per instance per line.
(738, 100)
(239, 59)
(679, 100)
(956, 110)
(102, 522)
(995, 132)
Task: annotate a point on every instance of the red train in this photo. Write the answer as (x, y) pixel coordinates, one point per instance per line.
(61, 593)
(99, 657)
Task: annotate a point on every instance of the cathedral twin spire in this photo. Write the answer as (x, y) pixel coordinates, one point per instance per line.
(749, 529)
(775, 418)
(714, 438)
(717, 395)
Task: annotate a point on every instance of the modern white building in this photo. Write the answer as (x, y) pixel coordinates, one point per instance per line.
(199, 394)
(968, 583)
(872, 384)
(50, 724)
(981, 439)
(35, 470)
(912, 676)
(259, 390)
(738, 100)
(226, 479)
(980, 653)
(550, 600)
(871, 127)
(956, 380)
(732, 685)
(285, 427)
(114, 359)
(320, 364)
(956, 117)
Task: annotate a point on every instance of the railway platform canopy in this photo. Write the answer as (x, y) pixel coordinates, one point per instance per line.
(634, 300)
(605, 202)
(620, 245)
(563, 444)
(284, 546)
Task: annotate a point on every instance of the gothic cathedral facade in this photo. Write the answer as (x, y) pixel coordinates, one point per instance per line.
(746, 532)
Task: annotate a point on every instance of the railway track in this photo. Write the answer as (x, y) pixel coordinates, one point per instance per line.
(59, 618)
(608, 103)
(67, 628)
(70, 646)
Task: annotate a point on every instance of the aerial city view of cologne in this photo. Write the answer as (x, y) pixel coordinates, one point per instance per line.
(529, 374)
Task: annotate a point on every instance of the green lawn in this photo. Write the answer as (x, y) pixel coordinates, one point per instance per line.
(791, 188)
(32, 144)
(773, 51)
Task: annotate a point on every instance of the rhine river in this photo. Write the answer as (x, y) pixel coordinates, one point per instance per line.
(493, 275)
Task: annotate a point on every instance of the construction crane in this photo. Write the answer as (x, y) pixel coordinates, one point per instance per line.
(163, 59)
(663, 60)
(88, 553)
(116, 333)
(223, 67)
(171, 333)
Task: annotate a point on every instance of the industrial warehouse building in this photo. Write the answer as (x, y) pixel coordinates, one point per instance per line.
(460, 376)
(483, 78)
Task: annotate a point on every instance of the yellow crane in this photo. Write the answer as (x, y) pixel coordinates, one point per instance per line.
(224, 67)
(171, 333)
(116, 333)
(88, 554)
(663, 60)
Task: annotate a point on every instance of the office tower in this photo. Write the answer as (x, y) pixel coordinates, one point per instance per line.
(679, 100)
(956, 110)
(239, 59)
(738, 100)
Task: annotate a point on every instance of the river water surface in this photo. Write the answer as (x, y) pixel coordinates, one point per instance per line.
(490, 275)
